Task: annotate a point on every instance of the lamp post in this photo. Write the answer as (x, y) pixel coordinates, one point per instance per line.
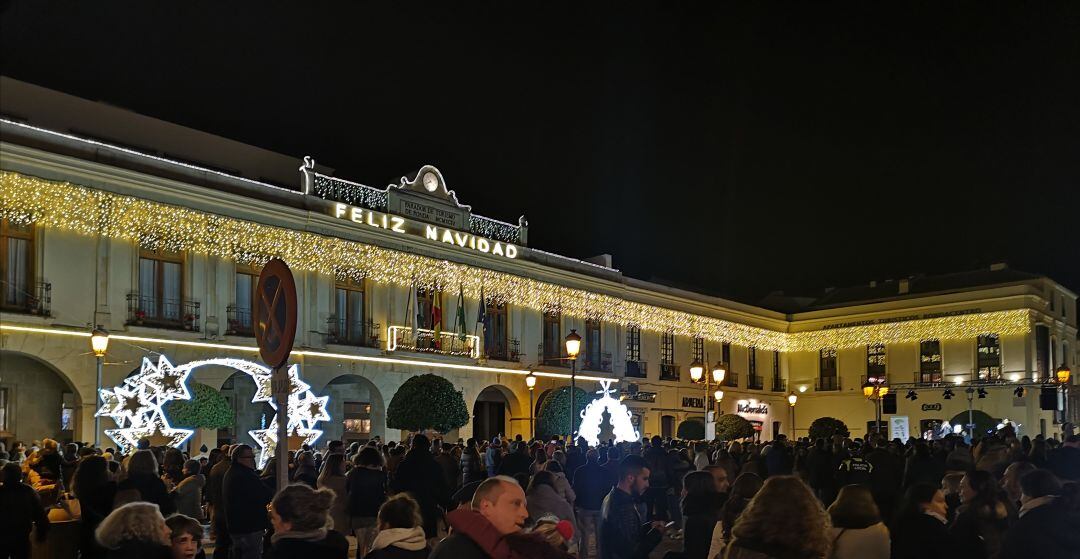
(970, 392)
(791, 399)
(1062, 375)
(99, 343)
(719, 396)
(530, 381)
(875, 389)
(573, 346)
(697, 371)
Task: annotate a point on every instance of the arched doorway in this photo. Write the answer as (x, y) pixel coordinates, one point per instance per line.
(238, 390)
(357, 412)
(493, 411)
(36, 400)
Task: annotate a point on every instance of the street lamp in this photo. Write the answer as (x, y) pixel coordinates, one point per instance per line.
(530, 381)
(573, 346)
(791, 399)
(719, 396)
(697, 374)
(99, 343)
(1062, 374)
(875, 389)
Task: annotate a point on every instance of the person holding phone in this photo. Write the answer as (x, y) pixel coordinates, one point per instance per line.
(622, 533)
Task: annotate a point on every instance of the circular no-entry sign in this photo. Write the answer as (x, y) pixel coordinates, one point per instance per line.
(275, 313)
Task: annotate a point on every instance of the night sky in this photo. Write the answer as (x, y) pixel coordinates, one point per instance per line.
(737, 149)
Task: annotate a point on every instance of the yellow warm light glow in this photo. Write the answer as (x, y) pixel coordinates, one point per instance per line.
(573, 344)
(697, 369)
(530, 381)
(802, 388)
(792, 398)
(719, 395)
(99, 342)
(155, 225)
(718, 373)
(868, 390)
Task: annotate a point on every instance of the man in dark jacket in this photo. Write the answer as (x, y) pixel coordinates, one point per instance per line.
(1065, 461)
(244, 499)
(1048, 520)
(20, 510)
(471, 467)
(420, 475)
(497, 510)
(214, 481)
(622, 533)
(575, 458)
(887, 471)
(780, 459)
(591, 485)
(517, 462)
(609, 461)
(656, 457)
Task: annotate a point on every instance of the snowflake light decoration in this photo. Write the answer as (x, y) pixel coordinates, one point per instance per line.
(136, 405)
(593, 415)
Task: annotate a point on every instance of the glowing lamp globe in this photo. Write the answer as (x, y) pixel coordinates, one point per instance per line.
(868, 390)
(719, 395)
(883, 390)
(719, 372)
(697, 369)
(573, 344)
(792, 398)
(99, 341)
(530, 381)
(1063, 373)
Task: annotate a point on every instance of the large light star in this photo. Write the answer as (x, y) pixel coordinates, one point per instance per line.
(168, 382)
(264, 391)
(267, 438)
(156, 429)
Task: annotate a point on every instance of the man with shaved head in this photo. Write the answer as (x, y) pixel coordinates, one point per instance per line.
(497, 510)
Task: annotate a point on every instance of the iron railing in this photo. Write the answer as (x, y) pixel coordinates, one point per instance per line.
(731, 379)
(19, 300)
(175, 314)
(669, 371)
(637, 369)
(239, 321)
(508, 350)
(600, 362)
(779, 385)
(755, 382)
(357, 333)
(827, 384)
(552, 358)
(423, 340)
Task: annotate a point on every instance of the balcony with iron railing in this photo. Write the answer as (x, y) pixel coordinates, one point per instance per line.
(423, 340)
(637, 369)
(779, 384)
(731, 379)
(239, 321)
(356, 333)
(599, 361)
(827, 384)
(173, 314)
(755, 382)
(552, 357)
(504, 350)
(20, 299)
(670, 371)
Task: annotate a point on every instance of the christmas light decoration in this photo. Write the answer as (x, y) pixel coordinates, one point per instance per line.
(136, 405)
(593, 415)
(25, 199)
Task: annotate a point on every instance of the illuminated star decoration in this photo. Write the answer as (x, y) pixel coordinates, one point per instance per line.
(593, 415)
(136, 405)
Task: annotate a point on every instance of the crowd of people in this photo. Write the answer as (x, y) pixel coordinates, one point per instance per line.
(999, 497)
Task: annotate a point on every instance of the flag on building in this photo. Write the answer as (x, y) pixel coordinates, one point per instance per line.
(459, 321)
(436, 317)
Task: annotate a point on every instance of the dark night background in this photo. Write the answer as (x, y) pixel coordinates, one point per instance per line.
(739, 148)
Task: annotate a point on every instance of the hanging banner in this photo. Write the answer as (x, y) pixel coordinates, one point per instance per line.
(899, 427)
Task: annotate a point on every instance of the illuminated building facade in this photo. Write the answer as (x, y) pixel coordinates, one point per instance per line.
(157, 233)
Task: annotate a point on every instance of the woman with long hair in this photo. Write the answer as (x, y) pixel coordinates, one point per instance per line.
(300, 516)
(144, 484)
(857, 529)
(539, 459)
(135, 531)
(542, 498)
(365, 486)
(983, 517)
(472, 467)
(333, 478)
(783, 520)
(188, 492)
(95, 491)
(701, 508)
(742, 492)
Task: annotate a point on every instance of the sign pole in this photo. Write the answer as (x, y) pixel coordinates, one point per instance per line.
(280, 384)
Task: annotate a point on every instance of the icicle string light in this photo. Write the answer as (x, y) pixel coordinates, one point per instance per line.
(154, 225)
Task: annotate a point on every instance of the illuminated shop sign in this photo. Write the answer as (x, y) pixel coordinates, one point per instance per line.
(751, 408)
(398, 224)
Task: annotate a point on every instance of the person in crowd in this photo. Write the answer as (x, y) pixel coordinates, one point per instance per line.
(1049, 517)
(983, 517)
(623, 534)
(611, 466)
(1065, 460)
(543, 499)
(365, 486)
(333, 478)
(886, 475)
(681, 464)
(920, 528)
(562, 485)
(420, 475)
(401, 532)
(493, 457)
(144, 484)
(922, 467)
(540, 458)
(1010, 482)
(744, 489)
(244, 500)
(517, 462)
(701, 456)
(497, 510)
(804, 531)
(660, 476)
(135, 531)
(857, 529)
(471, 464)
(448, 462)
(185, 537)
(306, 470)
(300, 516)
(268, 475)
(188, 492)
(780, 459)
(950, 486)
(720, 478)
(172, 466)
(591, 484)
(96, 492)
(20, 512)
(218, 528)
(701, 508)
(45, 470)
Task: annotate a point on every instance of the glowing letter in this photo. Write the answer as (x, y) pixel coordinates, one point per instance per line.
(511, 251)
(339, 210)
(431, 232)
(397, 224)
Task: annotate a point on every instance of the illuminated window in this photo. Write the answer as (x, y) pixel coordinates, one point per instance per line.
(160, 296)
(667, 347)
(930, 361)
(633, 343)
(988, 353)
(698, 349)
(496, 331)
(592, 345)
(875, 360)
(553, 341)
(349, 312)
(827, 370)
(16, 264)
